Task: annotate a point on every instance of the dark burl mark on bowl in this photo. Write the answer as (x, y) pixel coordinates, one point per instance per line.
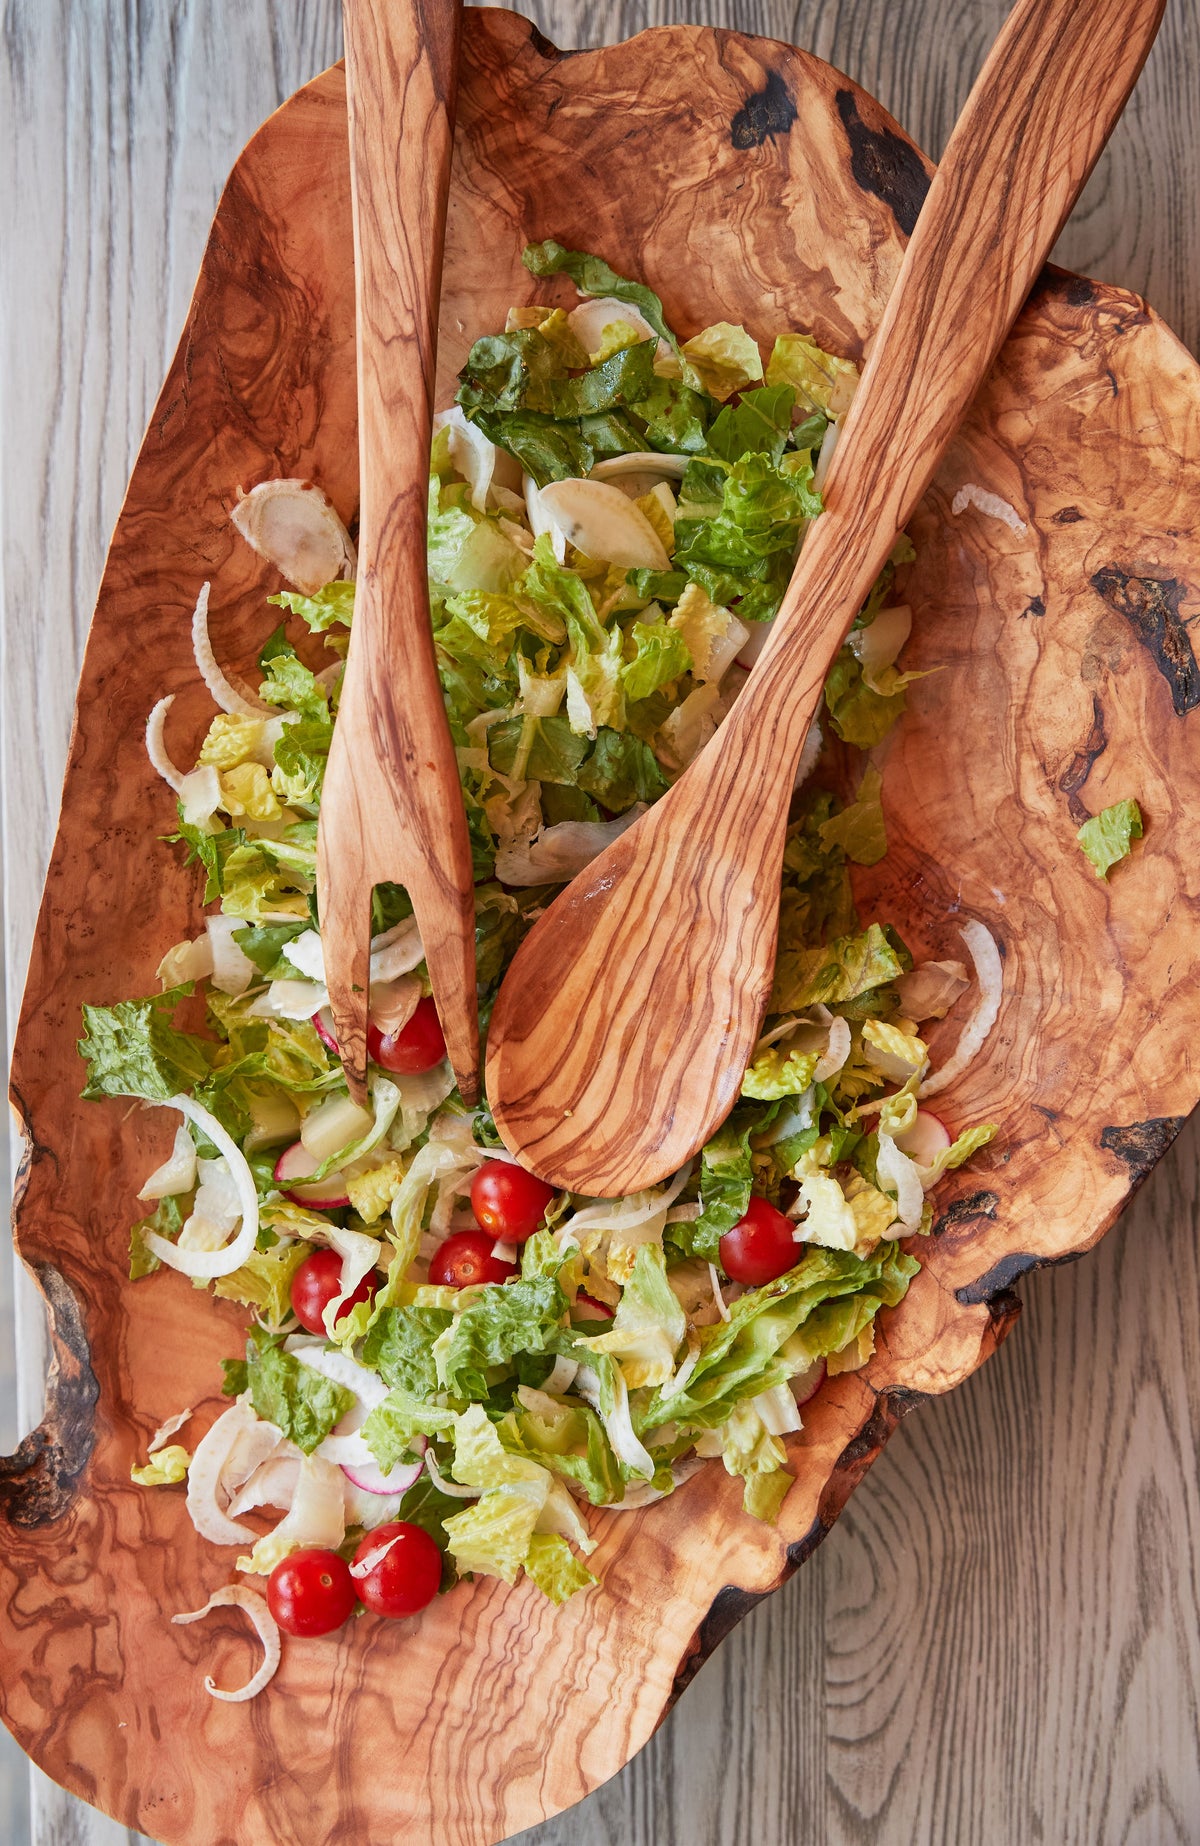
(1151, 607)
(995, 1287)
(962, 1211)
(1080, 292)
(769, 112)
(1077, 771)
(1066, 516)
(1142, 1145)
(884, 165)
(38, 1483)
(1035, 606)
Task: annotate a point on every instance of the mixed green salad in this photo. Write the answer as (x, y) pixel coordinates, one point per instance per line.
(449, 1367)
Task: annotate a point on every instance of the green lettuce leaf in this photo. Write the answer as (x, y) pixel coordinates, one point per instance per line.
(399, 1346)
(390, 1429)
(296, 1399)
(661, 655)
(264, 1281)
(289, 683)
(858, 715)
(721, 359)
(167, 1220)
(649, 1325)
(746, 1354)
(554, 1567)
(820, 381)
(331, 606)
(502, 1320)
(840, 972)
(759, 424)
(1107, 838)
(778, 1072)
(566, 1438)
(132, 1049)
(592, 276)
(859, 828)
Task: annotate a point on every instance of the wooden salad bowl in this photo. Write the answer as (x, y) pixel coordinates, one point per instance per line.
(745, 180)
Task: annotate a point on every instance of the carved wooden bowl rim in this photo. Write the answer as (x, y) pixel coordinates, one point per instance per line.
(1084, 669)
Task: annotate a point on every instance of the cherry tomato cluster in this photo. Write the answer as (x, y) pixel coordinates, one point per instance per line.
(313, 1592)
(509, 1204)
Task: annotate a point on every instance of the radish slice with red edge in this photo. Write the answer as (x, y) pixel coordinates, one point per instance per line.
(927, 1138)
(806, 1384)
(322, 1023)
(372, 1479)
(294, 1166)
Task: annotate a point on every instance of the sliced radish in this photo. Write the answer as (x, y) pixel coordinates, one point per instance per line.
(294, 1166)
(323, 1021)
(806, 1384)
(371, 1478)
(925, 1139)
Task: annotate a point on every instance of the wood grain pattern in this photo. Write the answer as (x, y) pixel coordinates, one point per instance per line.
(607, 1092)
(944, 1755)
(392, 807)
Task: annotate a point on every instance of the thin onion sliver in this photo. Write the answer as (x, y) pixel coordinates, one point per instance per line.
(223, 1262)
(156, 747)
(229, 697)
(255, 1606)
(981, 946)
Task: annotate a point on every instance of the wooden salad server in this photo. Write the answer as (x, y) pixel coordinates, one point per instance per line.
(629, 1014)
(392, 806)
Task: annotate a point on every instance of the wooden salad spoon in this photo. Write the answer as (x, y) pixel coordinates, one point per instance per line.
(392, 806)
(628, 1016)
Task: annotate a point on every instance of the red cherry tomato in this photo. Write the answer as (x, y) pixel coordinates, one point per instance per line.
(317, 1282)
(760, 1246)
(417, 1046)
(311, 1592)
(508, 1201)
(407, 1577)
(466, 1258)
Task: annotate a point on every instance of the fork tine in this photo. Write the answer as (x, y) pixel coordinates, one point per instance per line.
(343, 905)
(448, 938)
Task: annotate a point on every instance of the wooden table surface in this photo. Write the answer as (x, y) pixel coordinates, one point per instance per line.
(1000, 1643)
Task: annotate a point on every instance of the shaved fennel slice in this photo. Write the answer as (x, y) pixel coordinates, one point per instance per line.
(204, 1485)
(165, 1431)
(223, 1262)
(255, 1606)
(898, 1173)
(190, 960)
(472, 453)
(156, 746)
(989, 504)
(232, 969)
(988, 971)
(177, 1173)
(836, 1052)
(296, 528)
(229, 697)
(561, 852)
(273, 1483)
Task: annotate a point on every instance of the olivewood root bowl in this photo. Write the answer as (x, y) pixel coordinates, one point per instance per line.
(748, 181)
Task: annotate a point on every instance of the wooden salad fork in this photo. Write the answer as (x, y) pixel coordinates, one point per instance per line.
(625, 1023)
(392, 806)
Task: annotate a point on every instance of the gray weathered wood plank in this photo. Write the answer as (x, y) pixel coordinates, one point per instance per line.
(1000, 1641)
